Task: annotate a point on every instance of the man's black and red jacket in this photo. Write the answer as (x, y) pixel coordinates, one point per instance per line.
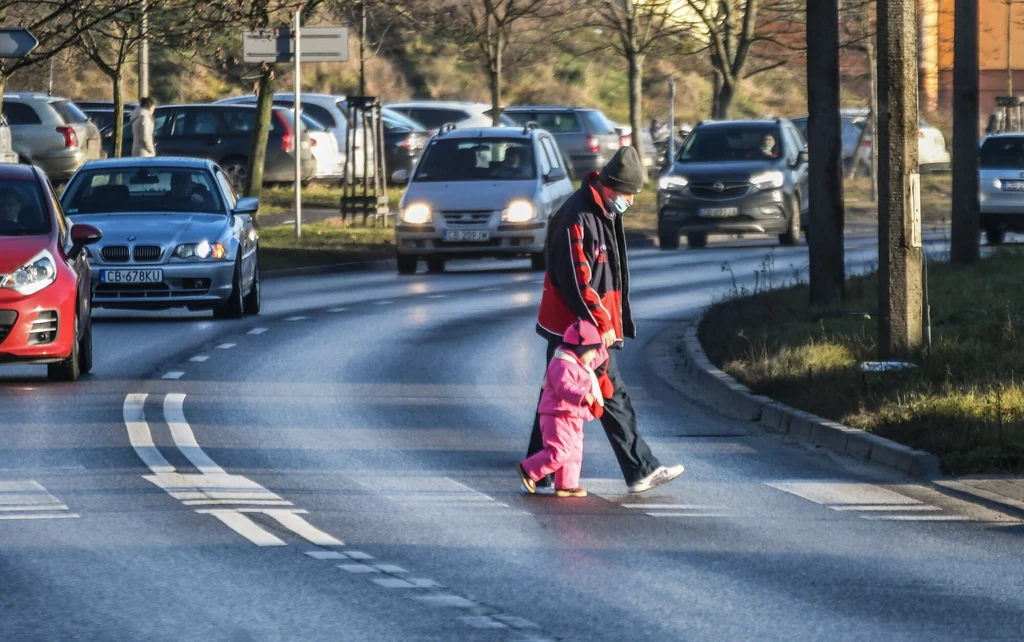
(587, 275)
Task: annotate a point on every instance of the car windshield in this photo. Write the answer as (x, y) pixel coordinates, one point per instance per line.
(21, 209)
(142, 189)
(726, 144)
(396, 121)
(477, 159)
(1003, 153)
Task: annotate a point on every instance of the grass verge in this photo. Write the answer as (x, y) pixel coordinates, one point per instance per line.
(323, 243)
(964, 403)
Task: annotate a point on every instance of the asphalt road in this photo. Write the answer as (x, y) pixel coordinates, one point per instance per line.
(341, 468)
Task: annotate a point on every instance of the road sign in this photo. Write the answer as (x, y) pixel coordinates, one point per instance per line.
(16, 43)
(319, 44)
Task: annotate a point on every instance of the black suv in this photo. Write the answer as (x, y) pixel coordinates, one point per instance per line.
(735, 177)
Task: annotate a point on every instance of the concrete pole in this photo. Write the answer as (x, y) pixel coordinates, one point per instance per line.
(298, 125)
(670, 152)
(899, 206)
(362, 48)
(144, 50)
(964, 244)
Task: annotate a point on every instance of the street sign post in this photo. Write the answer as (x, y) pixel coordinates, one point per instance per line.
(319, 44)
(16, 43)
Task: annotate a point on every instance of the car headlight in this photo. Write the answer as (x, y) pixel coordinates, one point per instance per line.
(672, 182)
(768, 180)
(519, 212)
(416, 214)
(201, 250)
(998, 184)
(39, 272)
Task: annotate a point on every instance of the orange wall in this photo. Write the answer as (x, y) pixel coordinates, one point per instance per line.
(992, 18)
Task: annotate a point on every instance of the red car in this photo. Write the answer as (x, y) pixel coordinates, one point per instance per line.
(45, 291)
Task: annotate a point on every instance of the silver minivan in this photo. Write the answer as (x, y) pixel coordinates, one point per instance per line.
(1001, 188)
(481, 192)
(52, 133)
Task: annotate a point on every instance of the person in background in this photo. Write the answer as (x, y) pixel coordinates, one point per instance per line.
(142, 129)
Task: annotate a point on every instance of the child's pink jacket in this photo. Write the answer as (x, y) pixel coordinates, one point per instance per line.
(568, 382)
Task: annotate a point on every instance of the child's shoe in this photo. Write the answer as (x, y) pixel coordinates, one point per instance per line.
(529, 485)
(570, 492)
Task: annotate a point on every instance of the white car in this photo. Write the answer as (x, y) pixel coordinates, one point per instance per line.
(932, 155)
(1001, 186)
(330, 162)
(480, 192)
(434, 114)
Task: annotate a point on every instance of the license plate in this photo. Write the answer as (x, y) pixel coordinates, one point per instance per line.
(467, 235)
(132, 276)
(1013, 186)
(718, 212)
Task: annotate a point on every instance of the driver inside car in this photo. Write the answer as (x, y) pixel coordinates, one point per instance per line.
(182, 196)
(10, 206)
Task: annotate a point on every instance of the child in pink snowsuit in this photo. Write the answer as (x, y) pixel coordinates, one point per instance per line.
(572, 395)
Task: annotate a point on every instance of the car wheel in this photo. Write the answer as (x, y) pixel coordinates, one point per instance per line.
(252, 302)
(435, 265)
(407, 264)
(234, 308)
(697, 241)
(668, 240)
(538, 262)
(85, 351)
(237, 169)
(792, 235)
(995, 236)
(67, 369)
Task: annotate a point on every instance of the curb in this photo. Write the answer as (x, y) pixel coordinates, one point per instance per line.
(774, 417)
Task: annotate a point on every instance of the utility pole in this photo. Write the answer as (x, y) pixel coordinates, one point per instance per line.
(825, 146)
(899, 207)
(872, 124)
(964, 244)
(670, 152)
(362, 48)
(144, 49)
(298, 122)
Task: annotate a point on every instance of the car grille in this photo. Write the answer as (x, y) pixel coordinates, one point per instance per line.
(44, 329)
(729, 190)
(7, 320)
(147, 253)
(467, 218)
(108, 292)
(115, 254)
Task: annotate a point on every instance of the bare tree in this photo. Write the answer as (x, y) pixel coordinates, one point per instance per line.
(1010, 6)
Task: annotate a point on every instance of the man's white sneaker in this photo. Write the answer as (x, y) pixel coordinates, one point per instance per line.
(661, 475)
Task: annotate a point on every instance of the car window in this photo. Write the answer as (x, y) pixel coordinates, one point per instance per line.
(472, 159)
(239, 121)
(560, 123)
(103, 119)
(597, 122)
(395, 121)
(545, 162)
(162, 122)
(436, 118)
(801, 125)
(21, 209)
(1003, 153)
(792, 145)
(20, 114)
(228, 189)
(202, 122)
(69, 111)
(552, 151)
(143, 189)
(319, 114)
(724, 144)
(310, 123)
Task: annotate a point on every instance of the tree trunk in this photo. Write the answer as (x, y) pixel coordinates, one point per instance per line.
(825, 147)
(723, 103)
(964, 242)
(260, 135)
(873, 118)
(118, 133)
(1009, 47)
(636, 75)
(495, 78)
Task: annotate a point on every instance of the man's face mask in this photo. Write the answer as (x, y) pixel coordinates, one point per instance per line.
(618, 204)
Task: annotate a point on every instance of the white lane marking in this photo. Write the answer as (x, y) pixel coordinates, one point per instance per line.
(392, 582)
(358, 555)
(245, 527)
(885, 507)
(226, 346)
(326, 555)
(918, 518)
(177, 374)
(488, 289)
(453, 601)
(30, 507)
(338, 310)
(27, 493)
(472, 490)
(189, 487)
(357, 568)
(140, 436)
(437, 296)
(665, 506)
(247, 502)
(687, 515)
(296, 318)
(41, 516)
(257, 331)
(383, 302)
(838, 492)
(200, 358)
(482, 622)
(184, 438)
(302, 528)
(390, 568)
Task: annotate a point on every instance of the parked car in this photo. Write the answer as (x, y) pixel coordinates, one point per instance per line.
(175, 235)
(587, 138)
(625, 133)
(434, 114)
(331, 112)
(481, 192)
(931, 149)
(404, 140)
(222, 133)
(45, 298)
(1001, 190)
(330, 162)
(101, 112)
(7, 153)
(735, 177)
(52, 133)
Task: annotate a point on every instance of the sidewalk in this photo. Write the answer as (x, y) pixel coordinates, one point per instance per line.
(1007, 492)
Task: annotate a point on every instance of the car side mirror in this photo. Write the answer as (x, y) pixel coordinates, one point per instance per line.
(82, 235)
(802, 158)
(556, 174)
(247, 205)
(400, 177)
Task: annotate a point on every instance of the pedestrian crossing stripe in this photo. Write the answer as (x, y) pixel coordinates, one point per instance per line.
(27, 499)
(868, 501)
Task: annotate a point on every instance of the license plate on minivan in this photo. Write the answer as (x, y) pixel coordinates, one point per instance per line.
(469, 236)
(718, 212)
(1013, 186)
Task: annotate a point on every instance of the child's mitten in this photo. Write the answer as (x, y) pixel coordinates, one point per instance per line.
(596, 409)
